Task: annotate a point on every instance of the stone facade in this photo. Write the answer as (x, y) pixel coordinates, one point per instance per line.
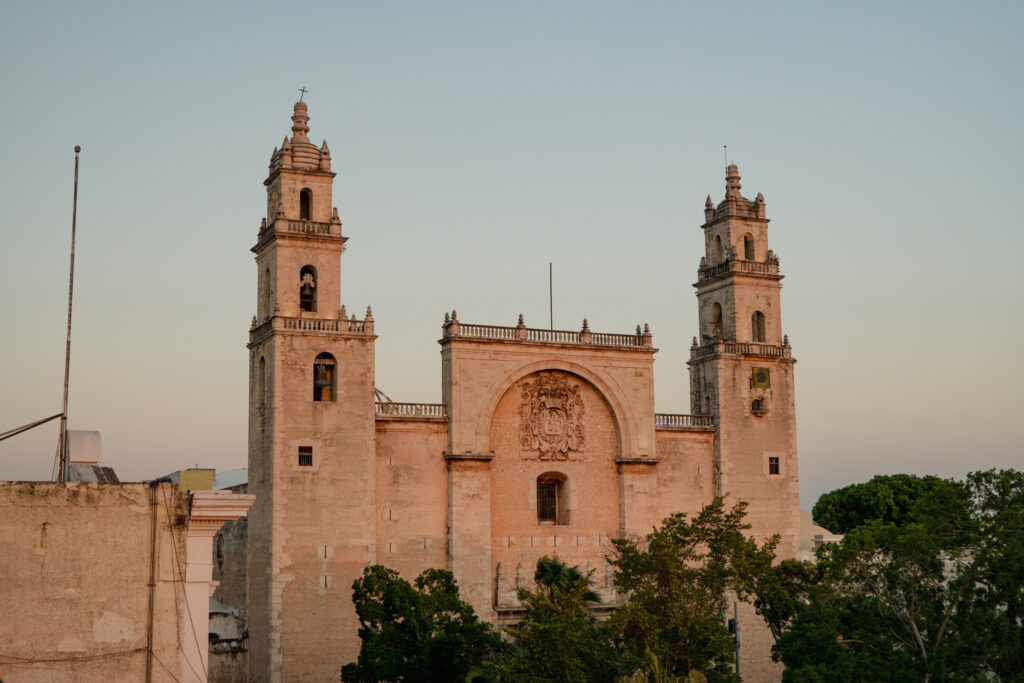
(545, 443)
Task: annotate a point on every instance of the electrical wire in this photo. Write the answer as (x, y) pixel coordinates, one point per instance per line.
(169, 672)
(72, 658)
(181, 575)
(24, 428)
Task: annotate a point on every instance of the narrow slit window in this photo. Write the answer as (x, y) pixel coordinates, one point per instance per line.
(261, 383)
(305, 456)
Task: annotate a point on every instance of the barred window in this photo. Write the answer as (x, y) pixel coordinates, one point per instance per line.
(305, 456)
(552, 499)
(773, 465)
(547, 501)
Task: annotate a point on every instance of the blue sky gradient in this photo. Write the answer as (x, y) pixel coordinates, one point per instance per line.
(476, 142)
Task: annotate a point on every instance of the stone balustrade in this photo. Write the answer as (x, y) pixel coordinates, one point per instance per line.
(695, 422)
(740, 348)
(410, 410)
(453, 329)
(769, 268)
(342, 324)
(298, 227)
(324, 324)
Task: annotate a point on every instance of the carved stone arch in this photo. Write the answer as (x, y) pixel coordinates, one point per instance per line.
(608, 389)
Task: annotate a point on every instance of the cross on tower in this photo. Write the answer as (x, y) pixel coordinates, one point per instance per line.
(303, 91)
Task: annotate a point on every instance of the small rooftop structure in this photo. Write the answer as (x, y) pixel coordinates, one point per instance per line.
(85, 453)
(192, 479)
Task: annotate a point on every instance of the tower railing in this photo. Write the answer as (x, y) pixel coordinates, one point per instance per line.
(670, 421)
(303, 227)
(414, 410)
(322, 324)
(737, 266)
(740, 348)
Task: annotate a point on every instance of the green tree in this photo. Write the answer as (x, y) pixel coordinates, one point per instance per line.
(931, 594)
(997, 499)
(781, 591)
(677, 586)
(421, 632)
(891, 499)
(558, 639)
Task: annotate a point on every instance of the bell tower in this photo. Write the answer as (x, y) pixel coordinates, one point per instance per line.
(311, 426)
(741, 365)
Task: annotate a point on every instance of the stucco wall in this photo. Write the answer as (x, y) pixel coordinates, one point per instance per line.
(411, 488)
(75, 594)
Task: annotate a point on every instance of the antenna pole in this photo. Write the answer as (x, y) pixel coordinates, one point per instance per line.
(725, 154)
(551, 295)
(63, 449)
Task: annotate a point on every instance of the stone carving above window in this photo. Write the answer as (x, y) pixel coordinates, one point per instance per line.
(551, 417)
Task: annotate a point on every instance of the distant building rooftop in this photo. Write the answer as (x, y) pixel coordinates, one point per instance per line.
(231, 478)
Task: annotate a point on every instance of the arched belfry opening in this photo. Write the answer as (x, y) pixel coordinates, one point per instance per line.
(716, 321)
(757, 326)
(324, 378)
(307, 289)
(748, 247)
(306, 204)
(719, 252)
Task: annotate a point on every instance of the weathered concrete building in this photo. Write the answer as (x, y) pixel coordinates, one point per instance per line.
(545, 443)
(107, 582)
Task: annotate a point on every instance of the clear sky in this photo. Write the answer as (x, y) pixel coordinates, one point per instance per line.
(474, 143)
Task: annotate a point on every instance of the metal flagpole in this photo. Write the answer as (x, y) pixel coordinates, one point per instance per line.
(551, 295)
(63, 462)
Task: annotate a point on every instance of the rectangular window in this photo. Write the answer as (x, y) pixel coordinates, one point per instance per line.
(547, 502)
(773, 465)
(305, 456)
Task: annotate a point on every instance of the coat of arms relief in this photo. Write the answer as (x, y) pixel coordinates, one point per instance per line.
(551, 417)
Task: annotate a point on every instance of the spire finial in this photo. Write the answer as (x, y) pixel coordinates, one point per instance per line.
(300, 121)
(302, 92)
(732, 181)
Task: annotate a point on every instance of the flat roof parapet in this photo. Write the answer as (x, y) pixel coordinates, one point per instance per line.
(453, 329)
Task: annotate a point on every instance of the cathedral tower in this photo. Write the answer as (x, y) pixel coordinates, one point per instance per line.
(741, 366)
(311, 426)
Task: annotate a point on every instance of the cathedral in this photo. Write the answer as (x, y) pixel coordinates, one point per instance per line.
(546, 442)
